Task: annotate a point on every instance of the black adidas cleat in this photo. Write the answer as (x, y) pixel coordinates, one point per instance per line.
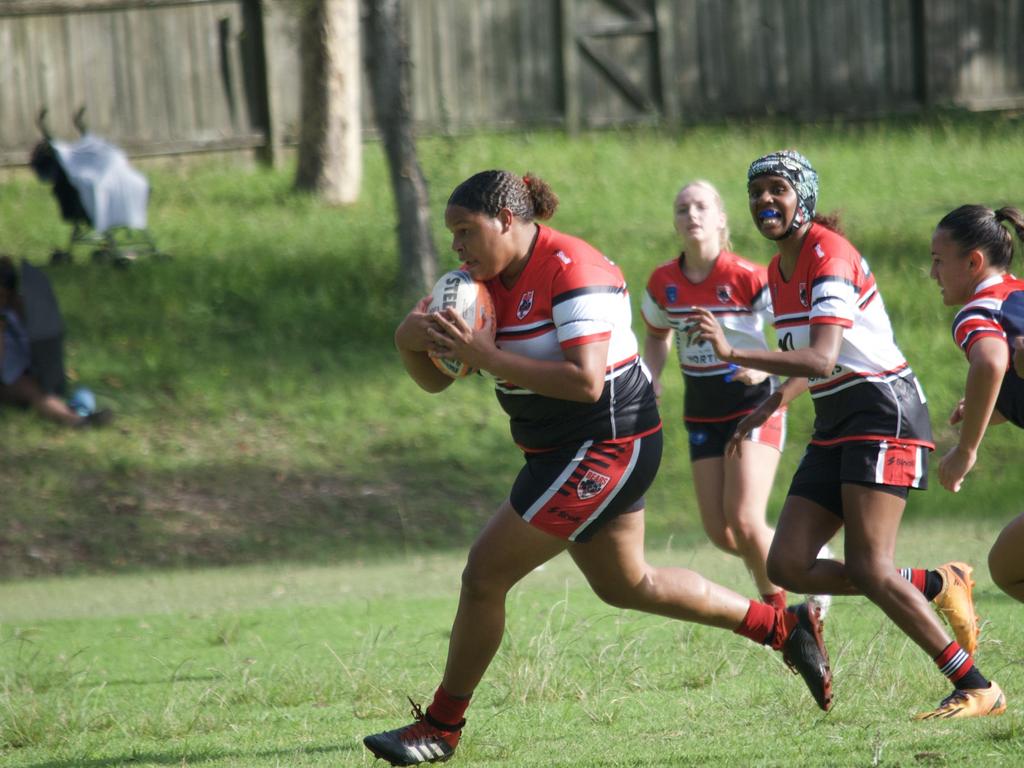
(804, 652)
(423, 741)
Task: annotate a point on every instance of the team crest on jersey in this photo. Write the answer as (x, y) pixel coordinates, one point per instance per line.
(525, 305)
(671, 294)
(803, 294)
(819, 250)
(591, 484)
(562, 257)
(724, 293)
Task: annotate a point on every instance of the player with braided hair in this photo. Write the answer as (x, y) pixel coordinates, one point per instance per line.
(871, 434)
(582, 409)
(972, 250)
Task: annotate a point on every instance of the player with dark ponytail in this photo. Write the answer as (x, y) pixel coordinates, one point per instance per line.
(582, 408)
(972, 250)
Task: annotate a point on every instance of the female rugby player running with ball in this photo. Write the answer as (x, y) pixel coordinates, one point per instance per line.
(971, 256)
(871, 431)
(582, 409)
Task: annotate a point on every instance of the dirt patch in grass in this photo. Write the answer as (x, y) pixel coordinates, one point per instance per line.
(227, 515)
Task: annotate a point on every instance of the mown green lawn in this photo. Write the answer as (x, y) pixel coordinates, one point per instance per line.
(256, 666)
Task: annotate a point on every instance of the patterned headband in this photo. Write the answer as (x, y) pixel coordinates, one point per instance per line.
(798, 171)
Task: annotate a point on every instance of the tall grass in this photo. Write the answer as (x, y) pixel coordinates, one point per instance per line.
(262, 411)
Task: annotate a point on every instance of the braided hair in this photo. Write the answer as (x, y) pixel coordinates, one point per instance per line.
(976, 227)
(528, 197)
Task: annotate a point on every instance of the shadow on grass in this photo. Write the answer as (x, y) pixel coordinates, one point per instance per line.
(229, 514)
(139, 757)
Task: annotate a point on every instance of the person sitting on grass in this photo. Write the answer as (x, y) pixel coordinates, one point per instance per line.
(18, 385)
(971, 255)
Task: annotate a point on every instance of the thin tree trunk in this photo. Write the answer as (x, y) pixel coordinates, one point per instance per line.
(330, 138)
(389, 70)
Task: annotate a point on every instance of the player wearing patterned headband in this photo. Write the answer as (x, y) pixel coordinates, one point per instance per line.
(583, 410)
(971, 256)
(731, 493)
(871, 431)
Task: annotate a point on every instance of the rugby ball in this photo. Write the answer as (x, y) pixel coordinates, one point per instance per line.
(471, 299)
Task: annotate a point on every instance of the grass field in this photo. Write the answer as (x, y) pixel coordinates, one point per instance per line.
(292, 665)
(255, 564)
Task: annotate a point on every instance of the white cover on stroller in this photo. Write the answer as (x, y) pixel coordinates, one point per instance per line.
(113, 193)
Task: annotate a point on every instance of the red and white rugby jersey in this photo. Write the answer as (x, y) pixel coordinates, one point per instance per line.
(736, 292)
(866, 396)
(570, 294)
(996, 310)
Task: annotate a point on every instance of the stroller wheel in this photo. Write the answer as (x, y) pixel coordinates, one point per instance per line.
(59, 257)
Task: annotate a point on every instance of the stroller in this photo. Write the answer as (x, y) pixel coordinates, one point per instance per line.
(99, 193)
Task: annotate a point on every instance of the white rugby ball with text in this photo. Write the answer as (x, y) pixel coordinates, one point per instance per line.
(471, 299)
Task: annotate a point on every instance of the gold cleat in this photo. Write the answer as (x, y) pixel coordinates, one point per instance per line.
(956, 604)
(969, 702)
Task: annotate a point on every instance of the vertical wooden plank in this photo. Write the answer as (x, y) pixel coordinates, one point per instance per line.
(203, 83)
(901, 48)
(490, 91)
(215, 85)
(178, 73)
(783, 57)
(273, 148)
(570, 67)
(1015, 48)
(65, 69)
(686, 60)
(8, 130)
(240, 124)
(214, 92)
(19, 119)
(448, 68)
(471, 62)
(664, 41)
(154, 112)
(14, 78)
(496, 80)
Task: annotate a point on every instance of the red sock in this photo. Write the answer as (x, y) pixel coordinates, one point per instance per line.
(956, 665)
(916, 576)
(776, 599)
(447, 709)
(759, 622)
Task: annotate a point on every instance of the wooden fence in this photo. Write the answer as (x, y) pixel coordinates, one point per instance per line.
(170, 76)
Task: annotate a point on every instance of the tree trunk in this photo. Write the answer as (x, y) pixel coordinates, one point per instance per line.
(389, 71)
(330, 137)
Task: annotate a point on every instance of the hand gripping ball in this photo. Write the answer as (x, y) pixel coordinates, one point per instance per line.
(471, 299)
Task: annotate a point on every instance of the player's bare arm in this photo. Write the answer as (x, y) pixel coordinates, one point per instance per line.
(818, 359)
(657, 345)
(412, 340)
(579, 377)
(988, 358)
